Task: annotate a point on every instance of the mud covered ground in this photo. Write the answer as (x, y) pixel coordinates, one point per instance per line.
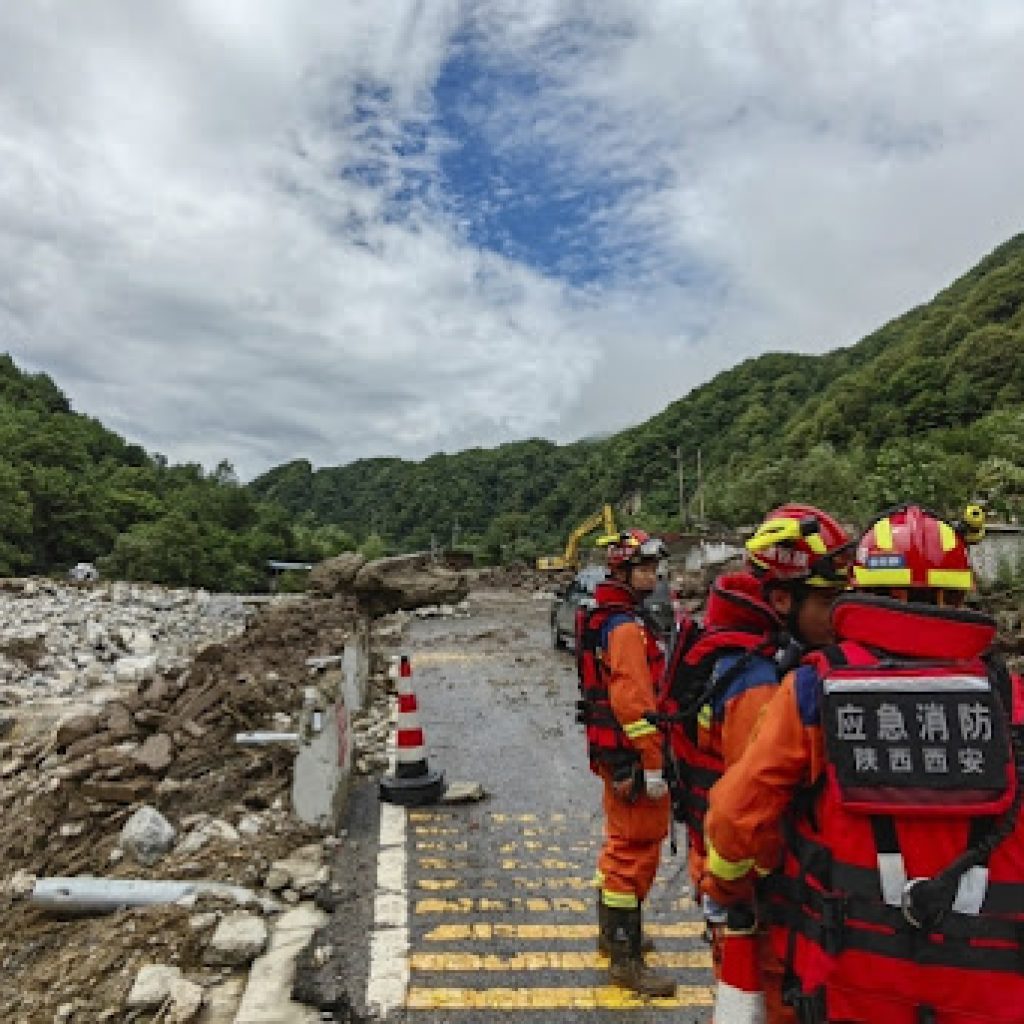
(62, 808)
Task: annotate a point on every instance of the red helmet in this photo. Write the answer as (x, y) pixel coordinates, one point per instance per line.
(633, 546)
(911, 547)
(800, 544)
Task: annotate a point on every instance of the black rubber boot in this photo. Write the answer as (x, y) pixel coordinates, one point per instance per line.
(627, 968)
(604, 945)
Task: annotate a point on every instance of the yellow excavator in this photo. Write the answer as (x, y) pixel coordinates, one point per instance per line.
(570, 558)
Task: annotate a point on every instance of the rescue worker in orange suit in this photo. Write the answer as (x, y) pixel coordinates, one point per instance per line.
(887, 767)
(621, 661)
(755, 624)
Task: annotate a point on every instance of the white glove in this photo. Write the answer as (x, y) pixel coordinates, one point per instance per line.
(654, 784)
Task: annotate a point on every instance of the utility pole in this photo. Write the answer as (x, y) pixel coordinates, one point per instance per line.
(455, 533)
(682, 493)
(700, 487)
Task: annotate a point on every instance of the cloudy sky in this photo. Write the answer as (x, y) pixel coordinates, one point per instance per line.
(340, 228)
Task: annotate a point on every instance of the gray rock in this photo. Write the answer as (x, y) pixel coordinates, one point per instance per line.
(239, 939)
(463, 793)
(207, 832)
(335, 575)
(406, 582)
(147, 835)
(152, 986)
(156, 754)
(186, 1001)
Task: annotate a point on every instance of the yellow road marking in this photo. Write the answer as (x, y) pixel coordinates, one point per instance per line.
(556, 865)
(441, 657)
(423, 844)
(437, 884)
(534, 904)
(485, 930)
(604, 998)
(545, 961)
(548, 863)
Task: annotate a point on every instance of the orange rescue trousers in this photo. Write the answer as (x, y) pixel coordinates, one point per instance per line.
(633, 836)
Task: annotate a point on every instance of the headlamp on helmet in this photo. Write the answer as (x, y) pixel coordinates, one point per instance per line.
(632, 547)
(800, 544)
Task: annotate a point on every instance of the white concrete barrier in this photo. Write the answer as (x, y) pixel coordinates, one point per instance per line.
(323, 765)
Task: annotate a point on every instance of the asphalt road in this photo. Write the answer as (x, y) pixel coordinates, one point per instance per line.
(500, 909)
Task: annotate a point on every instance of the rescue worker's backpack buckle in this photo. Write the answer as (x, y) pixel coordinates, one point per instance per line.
(914, 904)
(910, 912)
(833, 923)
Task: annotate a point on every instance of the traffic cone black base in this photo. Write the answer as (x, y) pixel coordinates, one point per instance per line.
(425, 789)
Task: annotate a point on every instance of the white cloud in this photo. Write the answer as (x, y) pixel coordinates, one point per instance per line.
(181, 250)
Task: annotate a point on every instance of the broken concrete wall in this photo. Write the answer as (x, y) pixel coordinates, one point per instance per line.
(323, 765)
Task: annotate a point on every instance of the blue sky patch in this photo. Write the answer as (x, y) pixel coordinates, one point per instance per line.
(512, 191)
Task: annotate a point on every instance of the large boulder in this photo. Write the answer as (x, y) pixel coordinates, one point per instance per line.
(387, 585)
(336, 575)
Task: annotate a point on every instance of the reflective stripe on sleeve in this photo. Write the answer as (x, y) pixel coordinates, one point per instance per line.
(641, 727)
(728, 870)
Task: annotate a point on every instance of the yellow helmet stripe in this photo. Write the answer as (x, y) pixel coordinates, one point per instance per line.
(947, 535)
(774, 531)
(951, 579)
(824, 581)
(882, 577)
(816, 544)
(883, 534)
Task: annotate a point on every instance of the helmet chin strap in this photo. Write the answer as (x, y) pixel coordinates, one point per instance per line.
(791, 620)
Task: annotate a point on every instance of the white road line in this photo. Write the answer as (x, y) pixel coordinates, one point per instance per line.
(388, 978)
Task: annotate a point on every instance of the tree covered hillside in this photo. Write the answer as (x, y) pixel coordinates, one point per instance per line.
(71, 490)
(930, 406)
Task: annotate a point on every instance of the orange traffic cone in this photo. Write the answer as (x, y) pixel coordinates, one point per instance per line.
(412, 783)
(739, 995)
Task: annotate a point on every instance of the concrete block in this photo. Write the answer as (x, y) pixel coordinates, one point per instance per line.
(323, 765)
(267, 998)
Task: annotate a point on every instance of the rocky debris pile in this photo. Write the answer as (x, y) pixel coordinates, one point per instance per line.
(153, 786)
(158, 963)
(372, 726)
(520, 576)
(386, 585)
(168, 741)
(60, 640)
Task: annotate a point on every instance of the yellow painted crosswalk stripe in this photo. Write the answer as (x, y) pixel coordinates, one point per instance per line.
(603, 998)
(484, 905)
(486, 930)
(529, 884)
(546, 961)
(445, 657)
(517, 904)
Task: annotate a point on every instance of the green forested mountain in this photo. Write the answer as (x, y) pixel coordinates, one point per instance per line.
(931, 406)
(71, 490)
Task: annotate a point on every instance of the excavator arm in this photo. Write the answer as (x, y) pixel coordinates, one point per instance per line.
(570, 558)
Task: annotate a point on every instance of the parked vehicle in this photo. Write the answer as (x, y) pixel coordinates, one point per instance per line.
(580, 594)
